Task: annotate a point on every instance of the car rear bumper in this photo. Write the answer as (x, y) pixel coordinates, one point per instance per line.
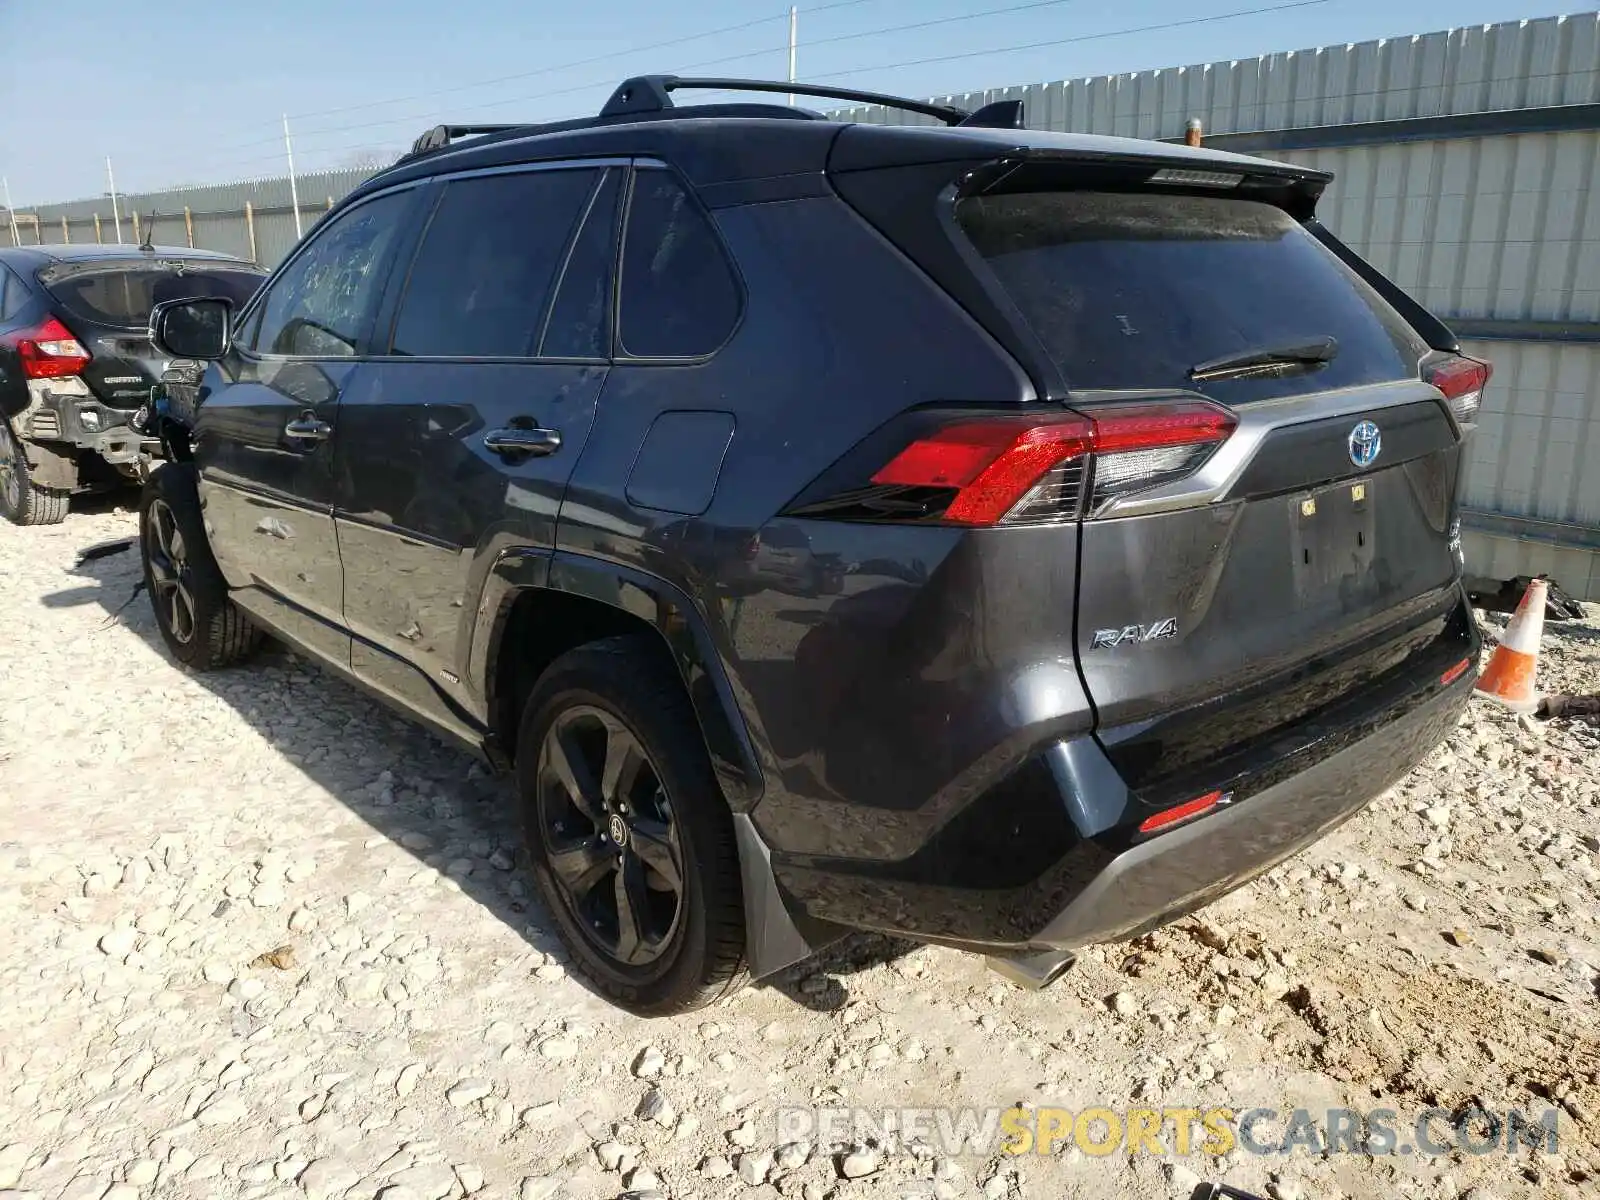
(1052, 858)
(1180, 870)
(65, 411)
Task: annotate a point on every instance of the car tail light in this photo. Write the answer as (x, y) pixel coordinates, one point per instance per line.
(49, 351)
(965, 469)
(1461, 380)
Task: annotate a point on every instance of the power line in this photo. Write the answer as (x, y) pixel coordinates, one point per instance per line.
(1086, 37)
(883, 67)
(728, 58)
(585, 62)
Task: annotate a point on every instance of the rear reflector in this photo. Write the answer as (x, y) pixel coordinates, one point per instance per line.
(1461, 380)
(1184, 812)
(1010, 471)
(49, 351)
(1455, 672)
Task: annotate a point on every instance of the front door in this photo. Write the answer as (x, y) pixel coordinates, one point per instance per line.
(460, 440)
(269, 418)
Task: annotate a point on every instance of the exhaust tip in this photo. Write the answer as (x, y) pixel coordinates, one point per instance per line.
(1034, 971)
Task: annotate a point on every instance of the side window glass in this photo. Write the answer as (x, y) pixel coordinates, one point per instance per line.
(481, 280)
(580, 316)
(13, 294)
(679, 297)
(320, 304)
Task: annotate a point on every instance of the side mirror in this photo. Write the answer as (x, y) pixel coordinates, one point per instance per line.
(197, 328)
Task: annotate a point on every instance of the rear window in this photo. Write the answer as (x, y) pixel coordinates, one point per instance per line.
(1131, 290)
(124, 296)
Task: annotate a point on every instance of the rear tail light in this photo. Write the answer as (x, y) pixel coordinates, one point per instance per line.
(1461, 380)
(962, 469)
(49, 351)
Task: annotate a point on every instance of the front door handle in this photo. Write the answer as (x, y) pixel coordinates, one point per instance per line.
(517, 443)
(306, 428)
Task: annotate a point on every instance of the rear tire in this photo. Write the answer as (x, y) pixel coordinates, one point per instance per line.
(612, 720)
(198, 620)
(22, 501)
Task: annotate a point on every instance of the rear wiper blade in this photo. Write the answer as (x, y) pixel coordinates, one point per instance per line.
(1267, 360)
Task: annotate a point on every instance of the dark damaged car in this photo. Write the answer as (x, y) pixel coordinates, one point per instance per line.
(1006, 540)
(76, 362)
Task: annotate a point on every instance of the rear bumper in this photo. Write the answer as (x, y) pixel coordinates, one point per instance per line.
(64, 411)
(1179, 871)
(1052, 859)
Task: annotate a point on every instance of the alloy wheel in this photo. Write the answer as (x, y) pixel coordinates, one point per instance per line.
(11, 468)
(171, 577)
(610, 837)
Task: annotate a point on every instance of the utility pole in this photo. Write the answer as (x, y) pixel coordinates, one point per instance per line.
(11, 214)
(794, 42)
(116, 213)
(294, 188)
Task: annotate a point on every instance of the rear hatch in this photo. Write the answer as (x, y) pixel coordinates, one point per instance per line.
(1266, 499)
(106, 304)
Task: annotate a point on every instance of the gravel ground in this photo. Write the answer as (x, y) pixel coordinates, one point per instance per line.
(265, 939)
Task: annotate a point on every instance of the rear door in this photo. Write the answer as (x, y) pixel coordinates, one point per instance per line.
(459, 439)
(1230, 590)
(107, 305)
(269, 415)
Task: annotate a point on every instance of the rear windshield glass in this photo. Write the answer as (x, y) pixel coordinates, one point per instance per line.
(1132, 290)
(123, 297)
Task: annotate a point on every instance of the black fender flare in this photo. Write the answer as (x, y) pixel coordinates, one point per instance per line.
(657, 603)
(774, 937)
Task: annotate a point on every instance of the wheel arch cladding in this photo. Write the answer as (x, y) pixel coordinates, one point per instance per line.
(545, 605)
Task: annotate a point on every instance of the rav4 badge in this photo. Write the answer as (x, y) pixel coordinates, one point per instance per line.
(1110, 639)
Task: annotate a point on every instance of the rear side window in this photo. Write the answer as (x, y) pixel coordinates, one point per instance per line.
(482, 278)
(580, 318)
(123, 296)
(679, 296)
(13, 294)
(1131, 290)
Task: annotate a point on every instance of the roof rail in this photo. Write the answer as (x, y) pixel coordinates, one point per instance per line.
(652, 93)
(644, 95)
(441, 136)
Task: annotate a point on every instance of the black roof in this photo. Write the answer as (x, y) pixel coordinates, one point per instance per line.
(723, 143)
(38, 256)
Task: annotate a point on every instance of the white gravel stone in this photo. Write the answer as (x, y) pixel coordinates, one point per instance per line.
(431, 1181)
(119, 943)
(754, 1166)
(225, 1110)
(468, 1091)
(859, 1163)
(538, 1187)
(649, 1063)
(405, 1083)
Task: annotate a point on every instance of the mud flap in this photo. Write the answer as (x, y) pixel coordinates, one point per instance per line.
(773, 938)
(50, 468)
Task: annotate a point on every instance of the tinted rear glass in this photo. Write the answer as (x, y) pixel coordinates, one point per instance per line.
(123, 296)
(1131, 290)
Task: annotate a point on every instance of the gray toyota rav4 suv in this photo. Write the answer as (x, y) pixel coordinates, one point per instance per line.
(1007, 540)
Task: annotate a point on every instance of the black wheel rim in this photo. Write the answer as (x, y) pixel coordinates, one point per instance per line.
(10, 468)
(610, 836)
(171, 578)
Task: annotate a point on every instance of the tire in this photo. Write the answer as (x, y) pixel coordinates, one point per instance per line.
(200, 624)
(617, 704)
(22, 501)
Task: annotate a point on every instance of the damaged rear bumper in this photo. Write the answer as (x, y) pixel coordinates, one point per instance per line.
(64, 415)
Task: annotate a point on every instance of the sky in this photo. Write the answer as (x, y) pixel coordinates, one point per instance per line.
(183, 92)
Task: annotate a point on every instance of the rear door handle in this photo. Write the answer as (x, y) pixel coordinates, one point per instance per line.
(307, 428)
(517, 443)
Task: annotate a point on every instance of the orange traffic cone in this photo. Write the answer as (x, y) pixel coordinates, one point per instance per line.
(1508, 678)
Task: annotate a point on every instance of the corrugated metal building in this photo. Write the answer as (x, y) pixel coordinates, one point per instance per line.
(1467, 168)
